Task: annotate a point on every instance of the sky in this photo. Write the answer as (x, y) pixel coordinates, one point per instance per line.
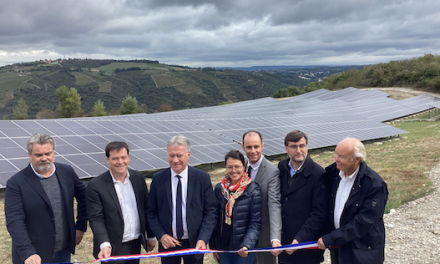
(220, 33)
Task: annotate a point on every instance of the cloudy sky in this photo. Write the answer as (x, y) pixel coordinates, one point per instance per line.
(230, 33)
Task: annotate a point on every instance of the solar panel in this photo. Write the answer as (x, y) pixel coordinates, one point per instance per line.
(327, 117)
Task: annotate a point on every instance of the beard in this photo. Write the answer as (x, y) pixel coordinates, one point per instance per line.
(44, 166)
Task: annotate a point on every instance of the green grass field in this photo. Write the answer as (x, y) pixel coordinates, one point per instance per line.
(163, 80)
(12, 81)
(110, 68)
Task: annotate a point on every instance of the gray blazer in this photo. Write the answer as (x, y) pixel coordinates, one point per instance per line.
(268, 179)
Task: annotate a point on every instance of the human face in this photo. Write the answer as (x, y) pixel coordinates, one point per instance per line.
(235, 170)
(344, 158)
(253, 147)
(177, 157)
(297, 151)
(118, 163)
(42, 157)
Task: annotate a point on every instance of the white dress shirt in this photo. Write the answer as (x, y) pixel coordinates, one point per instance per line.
(342, 194)
(127, 201)
(255, 167)
(184, 184)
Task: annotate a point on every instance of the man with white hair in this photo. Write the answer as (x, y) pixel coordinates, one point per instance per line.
(358, 199)
(181, 207)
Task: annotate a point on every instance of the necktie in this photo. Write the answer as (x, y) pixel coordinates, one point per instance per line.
(249, 171)
(179, 223)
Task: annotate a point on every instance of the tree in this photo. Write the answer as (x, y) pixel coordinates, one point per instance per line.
(20, 110)
(165, 107)
(99, 108)
(45, 114)
(129, 105)
(69, 102)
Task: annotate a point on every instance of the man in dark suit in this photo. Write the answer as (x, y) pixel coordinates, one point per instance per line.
(358, 198)
(39, 207)
(116, 204)
(181, 206)
(303, 200)
(266, 174)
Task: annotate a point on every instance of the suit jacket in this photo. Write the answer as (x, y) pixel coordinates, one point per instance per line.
(104, 210)
(361, 235)
(29, 215)
(200, 205)
(268, 179)
(304, 209)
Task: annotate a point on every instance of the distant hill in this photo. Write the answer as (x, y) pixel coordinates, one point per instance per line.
(151, 82)
(422, 73)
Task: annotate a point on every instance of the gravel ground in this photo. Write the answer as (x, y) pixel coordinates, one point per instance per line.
(413, 230)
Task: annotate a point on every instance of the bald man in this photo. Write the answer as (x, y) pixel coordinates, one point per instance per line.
(358, 199)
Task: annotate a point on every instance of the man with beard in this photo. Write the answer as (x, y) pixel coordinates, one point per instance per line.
(39, 207)
(303, 200)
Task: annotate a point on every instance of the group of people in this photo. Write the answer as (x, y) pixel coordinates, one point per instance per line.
(255, 205)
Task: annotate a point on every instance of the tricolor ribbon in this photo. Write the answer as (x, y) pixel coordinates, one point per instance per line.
(192, 251)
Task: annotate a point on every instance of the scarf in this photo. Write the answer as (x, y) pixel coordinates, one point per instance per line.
(232, 192)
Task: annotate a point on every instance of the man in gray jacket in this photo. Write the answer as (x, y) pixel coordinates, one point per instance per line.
(266, 174)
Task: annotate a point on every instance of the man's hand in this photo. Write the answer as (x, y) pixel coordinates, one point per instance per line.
(242, 252)
(321, 244)
(105, 252)
(200, 244)
(33, 259)
(79, 236)
(276, 243)
(150, 245)
(290, 251)
(168, 241)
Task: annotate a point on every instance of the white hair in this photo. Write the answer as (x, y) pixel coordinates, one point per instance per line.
(179, 140)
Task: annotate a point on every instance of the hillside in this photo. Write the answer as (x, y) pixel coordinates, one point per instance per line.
(151, 82)
(422, 73)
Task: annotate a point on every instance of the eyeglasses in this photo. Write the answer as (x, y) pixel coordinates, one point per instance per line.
(294, 147)
(234, 167)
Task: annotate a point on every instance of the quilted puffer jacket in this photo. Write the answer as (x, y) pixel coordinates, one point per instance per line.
(246, 217)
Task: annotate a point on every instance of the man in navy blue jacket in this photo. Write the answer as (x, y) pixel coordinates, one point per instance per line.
(303, 200)
(358, 199)
(39, 207)
(181, 207)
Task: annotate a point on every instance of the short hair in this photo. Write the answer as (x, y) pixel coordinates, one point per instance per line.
(39, 139)
(235, 154)
(116, 145)
(179, 140)
(252, 131)
(359, 151)
(295, 136)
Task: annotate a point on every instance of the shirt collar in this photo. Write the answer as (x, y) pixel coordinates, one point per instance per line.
(183, 174)
(351, 177)
(291, 166)
(257, 164)
(41, 176)
(115, 181)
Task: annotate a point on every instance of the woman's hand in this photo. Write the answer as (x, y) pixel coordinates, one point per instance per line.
(242, 252)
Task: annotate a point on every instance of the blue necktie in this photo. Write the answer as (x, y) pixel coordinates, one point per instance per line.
(179, 222)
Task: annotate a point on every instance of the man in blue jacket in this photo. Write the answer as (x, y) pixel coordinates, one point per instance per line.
(358, 199)
(303, 200)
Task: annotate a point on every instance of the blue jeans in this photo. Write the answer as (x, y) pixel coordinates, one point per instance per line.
(62, 256)
(234, 258)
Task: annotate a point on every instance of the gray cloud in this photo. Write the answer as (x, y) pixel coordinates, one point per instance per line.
(220, 33)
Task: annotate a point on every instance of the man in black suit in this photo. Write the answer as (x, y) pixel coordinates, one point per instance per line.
(39, 207)
(303, 200)
(181, 206)
(116, 204)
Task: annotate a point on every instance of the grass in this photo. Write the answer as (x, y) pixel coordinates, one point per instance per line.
(401, 163)
(12, 81)
(110, 68)
(163, 80)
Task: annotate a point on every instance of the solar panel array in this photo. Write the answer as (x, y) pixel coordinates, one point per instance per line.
(327, 117)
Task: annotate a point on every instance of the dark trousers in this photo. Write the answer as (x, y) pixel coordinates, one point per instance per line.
(128, 248)
(189, 259)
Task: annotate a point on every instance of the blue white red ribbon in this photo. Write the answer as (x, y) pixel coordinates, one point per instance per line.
(192, 251)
